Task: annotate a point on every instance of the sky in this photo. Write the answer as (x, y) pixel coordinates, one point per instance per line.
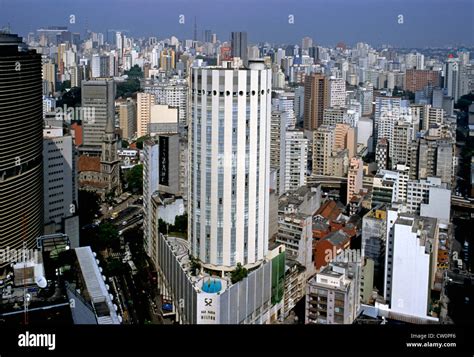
(426, 23)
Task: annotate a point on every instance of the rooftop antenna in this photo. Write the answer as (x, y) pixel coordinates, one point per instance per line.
(195, 29)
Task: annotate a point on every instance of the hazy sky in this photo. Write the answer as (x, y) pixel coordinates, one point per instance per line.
(425, 22)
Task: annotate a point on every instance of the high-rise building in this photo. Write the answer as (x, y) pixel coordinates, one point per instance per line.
(98, 99)
(444, 162)
(239, 46)
(355, 177)
(21, 145)
(127, 118)
(49, 78)
(381, 154)
(229, 187)
(451, 78)
(60, 184)
(323, 146)
(365, 97)
(400, 142)
(415, 60)
(418, 79)
(337, 92)
(410, 264)
(172, 92)
(316, 99)
(277, 149)
(296, 156)
(144, 103)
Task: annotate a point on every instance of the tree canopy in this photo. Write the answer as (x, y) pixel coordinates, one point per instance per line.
(134, 179)
(238, 273)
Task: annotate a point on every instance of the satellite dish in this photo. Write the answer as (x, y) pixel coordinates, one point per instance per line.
(120, 319)
(115, 307)
(41, 282)
(111, 297)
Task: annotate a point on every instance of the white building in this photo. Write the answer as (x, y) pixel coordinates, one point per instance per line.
(150, 185)
(429, 198)
(410, 264)
(296, 157)
(230, 165)
(172, 92)
(60, 184)
(337, 92)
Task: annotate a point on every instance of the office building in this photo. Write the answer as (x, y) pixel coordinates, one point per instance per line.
(144, 103)
(316, 99)
(229, 176)
(239, 46)
(21, 161)
(60, 184)
(98, 98)
(418, 79)
(127, 118)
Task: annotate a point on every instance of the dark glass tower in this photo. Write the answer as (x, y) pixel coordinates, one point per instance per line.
(21, 143)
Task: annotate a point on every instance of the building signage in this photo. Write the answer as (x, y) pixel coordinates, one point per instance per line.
(164, 163)
(208, 308)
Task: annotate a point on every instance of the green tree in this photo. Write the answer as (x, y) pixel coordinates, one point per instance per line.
(128, 88)
(195, 265)
(134, 72)
(464, 102)
(140, 141)
(134, 179)
(181, 223)
(238, 273)
(125, 144)
(108, 236)
(89, 204)
(115, 267)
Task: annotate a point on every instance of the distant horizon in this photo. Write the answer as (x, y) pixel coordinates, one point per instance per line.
(426, 23)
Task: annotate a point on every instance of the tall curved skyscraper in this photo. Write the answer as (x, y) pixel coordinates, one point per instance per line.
(21, 144)
(229, 165)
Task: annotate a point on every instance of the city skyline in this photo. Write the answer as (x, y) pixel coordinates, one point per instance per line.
(224, 162)
(327, 23)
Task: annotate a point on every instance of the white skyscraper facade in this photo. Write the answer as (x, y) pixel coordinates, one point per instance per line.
(230, 165)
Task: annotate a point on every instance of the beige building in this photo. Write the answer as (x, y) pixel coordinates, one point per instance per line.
(127, 118)
(144, 104)
(355, 177)
(49, 76)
